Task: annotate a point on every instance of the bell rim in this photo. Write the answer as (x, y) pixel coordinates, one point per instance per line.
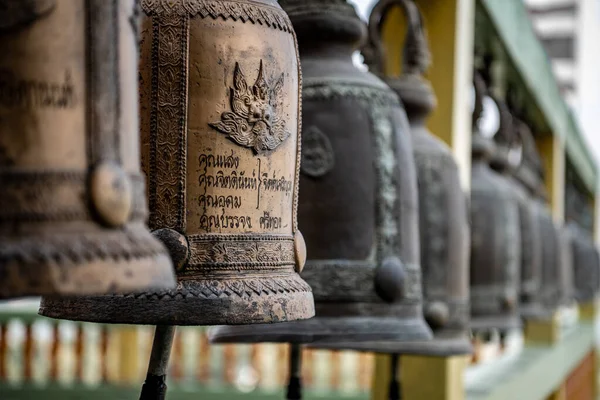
(324, 330)
(438, 346)
(63, 265)
(180, 307)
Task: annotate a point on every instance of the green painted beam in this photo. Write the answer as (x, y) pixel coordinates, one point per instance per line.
(513, 26)
(56, 392)
(537, 371)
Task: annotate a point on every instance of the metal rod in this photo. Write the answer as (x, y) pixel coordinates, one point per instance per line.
(294, 389)
(155, 387)
(395, 390)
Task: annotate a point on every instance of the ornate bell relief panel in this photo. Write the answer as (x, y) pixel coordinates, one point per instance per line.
(255, 120)
(317, 153)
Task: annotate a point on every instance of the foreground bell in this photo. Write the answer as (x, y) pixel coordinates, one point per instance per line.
(506, 160)
(72, 208)
(219, 92)
(443, 224)
(495, 234)
(358, 204)
(586, 264)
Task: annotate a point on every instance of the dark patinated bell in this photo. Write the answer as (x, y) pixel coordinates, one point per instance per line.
(443, 224)
(73, 208)
(566, 272)
(495, 234)
(549, 296)
(220, 100)
(358, 204)
(507, 160)
(586, 264)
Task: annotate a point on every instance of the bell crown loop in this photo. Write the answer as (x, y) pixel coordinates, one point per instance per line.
(415, 92)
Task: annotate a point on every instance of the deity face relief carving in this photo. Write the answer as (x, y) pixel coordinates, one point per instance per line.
(255, 120)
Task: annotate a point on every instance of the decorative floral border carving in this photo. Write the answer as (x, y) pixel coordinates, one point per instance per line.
(256, 13)
(215, 289)
(168, 133)
(239, 252)
(82, 247)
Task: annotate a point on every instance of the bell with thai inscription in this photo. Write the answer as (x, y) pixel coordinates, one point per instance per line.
(358, 204)
(586, 264)
(220, 113)
(443, 224)
(73, 208)
(495, 229)
(506, 160)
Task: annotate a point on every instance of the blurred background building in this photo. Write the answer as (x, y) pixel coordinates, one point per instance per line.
(569, 31)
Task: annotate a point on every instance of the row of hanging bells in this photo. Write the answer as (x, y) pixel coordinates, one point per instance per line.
(221, 108)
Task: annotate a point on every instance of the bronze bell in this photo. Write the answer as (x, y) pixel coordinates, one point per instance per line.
(443, 224)
(358, 206)
(586, 264)
(507, 160)
(72, 209)
(529, 174)
(495, 233)
(566, 274)
(219, 93)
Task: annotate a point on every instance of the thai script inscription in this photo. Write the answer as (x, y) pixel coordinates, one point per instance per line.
(222, 171)
(30, 94)
(209, 200)
(224, 221)
(268, 222)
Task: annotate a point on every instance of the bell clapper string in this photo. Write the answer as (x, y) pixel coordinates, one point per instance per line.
(294, 389)
(395, 391)
(155, 387)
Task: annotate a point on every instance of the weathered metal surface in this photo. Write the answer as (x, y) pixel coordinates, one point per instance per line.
(443, 224)
(506, 160)
(73, 206)
(556, 276)
(358, 206)
(495, 238)
(586, 264)
(220, 99)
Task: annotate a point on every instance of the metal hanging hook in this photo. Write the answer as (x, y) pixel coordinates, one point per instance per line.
(416, 55)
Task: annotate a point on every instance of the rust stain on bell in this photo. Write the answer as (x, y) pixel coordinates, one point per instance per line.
(73, 207)
(219, 99)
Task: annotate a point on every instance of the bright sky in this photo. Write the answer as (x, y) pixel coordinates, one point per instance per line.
(362, 6)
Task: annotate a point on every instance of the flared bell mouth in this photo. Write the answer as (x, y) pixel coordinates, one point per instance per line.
(194, 302)
(447, 344)
(326, 330)
(93, 262)
(499, 322)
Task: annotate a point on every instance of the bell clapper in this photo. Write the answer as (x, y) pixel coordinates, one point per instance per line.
(395, 390)
(155, 387)
(294, 389)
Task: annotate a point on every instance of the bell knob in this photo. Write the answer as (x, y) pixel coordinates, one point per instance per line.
(300, 251)
(437, 314)
(111, 193)
(177, 246)
(390, 278)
